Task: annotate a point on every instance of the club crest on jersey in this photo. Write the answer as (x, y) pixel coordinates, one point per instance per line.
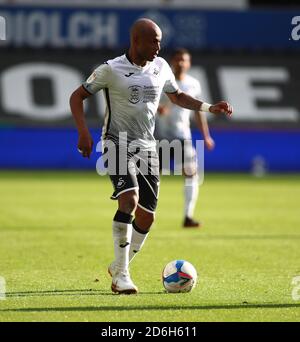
(155, 72)
(135, 94)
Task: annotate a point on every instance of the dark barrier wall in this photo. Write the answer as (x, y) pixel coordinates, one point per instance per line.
(263, 88)
(108, 28)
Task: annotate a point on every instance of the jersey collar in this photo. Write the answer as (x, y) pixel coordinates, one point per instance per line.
(129, 59)
(137, 66)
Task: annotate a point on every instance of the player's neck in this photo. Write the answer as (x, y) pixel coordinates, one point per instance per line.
(135, 58)
(180, 76)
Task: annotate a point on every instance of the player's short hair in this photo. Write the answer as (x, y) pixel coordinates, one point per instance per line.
(179, 51)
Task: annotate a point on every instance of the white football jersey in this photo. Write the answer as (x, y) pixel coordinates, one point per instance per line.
(132, 94)
(176, 125)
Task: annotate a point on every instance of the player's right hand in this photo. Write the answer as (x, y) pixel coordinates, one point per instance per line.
(221, 107)
(209, 143)
(85, 144)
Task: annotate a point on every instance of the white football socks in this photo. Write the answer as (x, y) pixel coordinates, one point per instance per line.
(122, 236)
(191, 190)
(138, 239)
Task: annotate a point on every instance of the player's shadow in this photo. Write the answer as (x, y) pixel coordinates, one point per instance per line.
(155, 307)
(73, 292)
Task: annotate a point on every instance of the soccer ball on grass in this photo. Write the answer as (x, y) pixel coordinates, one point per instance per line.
(179, 276)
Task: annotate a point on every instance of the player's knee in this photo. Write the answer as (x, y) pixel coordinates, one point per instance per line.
(128, 201)
(146, 219)
(132, 202)
(189, 171)
(151, 218)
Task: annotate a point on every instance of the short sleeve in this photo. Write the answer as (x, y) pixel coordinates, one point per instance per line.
(98, 80)
(170, 85)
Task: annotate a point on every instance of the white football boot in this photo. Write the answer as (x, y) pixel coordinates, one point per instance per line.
(112, 269)
(122, 283)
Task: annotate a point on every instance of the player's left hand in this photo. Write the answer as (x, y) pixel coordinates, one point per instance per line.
(221, 107)
(209, 143)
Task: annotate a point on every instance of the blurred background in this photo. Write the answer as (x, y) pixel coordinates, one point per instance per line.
(243, 51)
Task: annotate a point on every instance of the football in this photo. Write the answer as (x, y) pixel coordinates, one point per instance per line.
(179, 276)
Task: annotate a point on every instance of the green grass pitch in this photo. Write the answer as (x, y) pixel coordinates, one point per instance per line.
(56, 243)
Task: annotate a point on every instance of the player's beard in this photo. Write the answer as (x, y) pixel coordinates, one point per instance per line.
(153, 56)
(149, 56)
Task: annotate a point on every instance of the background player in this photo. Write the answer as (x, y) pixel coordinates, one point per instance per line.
(174, 123)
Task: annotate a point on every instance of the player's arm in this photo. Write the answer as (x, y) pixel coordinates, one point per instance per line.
(186, 101)
(85, 141)
(202, 125)
(96, 81)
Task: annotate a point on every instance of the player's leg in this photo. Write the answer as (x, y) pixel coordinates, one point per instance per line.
(122, 229)
(191, 191)
(122, 233)
(148, 196)
(191, 186)
(126, 192)
(140, 230)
